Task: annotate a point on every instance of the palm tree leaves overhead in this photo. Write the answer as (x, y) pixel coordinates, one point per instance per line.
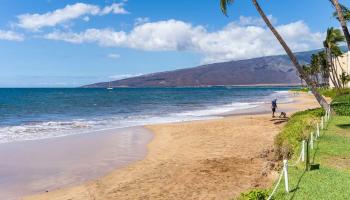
(224, 4)
(346, 13)
(333, 38)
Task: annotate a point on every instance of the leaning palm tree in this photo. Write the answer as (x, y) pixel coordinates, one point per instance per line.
(224, 4)
(342, 21)
(345, 11)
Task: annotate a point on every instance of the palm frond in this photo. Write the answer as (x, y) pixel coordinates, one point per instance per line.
(346, 12)
(224, 4)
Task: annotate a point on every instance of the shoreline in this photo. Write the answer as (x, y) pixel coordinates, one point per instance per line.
(36, 166)
(183, 153)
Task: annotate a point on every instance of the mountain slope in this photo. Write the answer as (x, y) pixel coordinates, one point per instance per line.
(265, 71)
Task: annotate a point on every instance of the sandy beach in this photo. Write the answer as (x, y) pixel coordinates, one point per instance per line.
(210, 159)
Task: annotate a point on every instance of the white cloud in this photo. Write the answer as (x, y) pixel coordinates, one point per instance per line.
(123, 76)
(37, 21)
(116, 8)
(113, 56)
(10, 35)
(141, 20)
(247, 21)
(234, 41)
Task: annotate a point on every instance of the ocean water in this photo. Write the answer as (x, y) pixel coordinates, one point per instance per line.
(30, 114)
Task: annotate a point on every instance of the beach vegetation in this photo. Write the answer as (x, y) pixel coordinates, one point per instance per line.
(298, 128)
(332, 180)
(256, 194)
(341, 105)
(342, 13)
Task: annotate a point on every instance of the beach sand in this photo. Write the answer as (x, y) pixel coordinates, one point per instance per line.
(211, 159)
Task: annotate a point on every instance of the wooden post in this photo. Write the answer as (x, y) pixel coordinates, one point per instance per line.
(318, 130)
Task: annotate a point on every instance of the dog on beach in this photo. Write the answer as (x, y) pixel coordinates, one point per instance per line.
(283, 115)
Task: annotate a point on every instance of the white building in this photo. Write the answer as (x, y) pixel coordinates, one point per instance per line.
(342, 66)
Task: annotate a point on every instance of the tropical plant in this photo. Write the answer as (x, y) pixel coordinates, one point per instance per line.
(342, 20)
(344, 78)
(224, 5)
(333, 38)
(346, 13)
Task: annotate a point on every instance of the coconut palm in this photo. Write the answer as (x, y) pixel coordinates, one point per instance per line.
(345, 78)
(315, 68)
(342, 21)
(333, 38)
(346, 13)
(224, 5)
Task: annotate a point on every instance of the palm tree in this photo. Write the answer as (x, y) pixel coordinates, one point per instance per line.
(342, 21)
(315, 67)
(224, 4)
(346, 13)
(324, 68)
(333, 38)
(345, 78)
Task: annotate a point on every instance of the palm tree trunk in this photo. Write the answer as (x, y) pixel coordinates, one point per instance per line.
(292, 57)
(342, 21)
(330, 63)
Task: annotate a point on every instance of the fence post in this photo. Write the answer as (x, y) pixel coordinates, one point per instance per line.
(285, 168)
(312, 140)
(318, 130)
(322, 123)
(303, 151)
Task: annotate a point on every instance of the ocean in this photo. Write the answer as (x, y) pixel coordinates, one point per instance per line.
(31, 114)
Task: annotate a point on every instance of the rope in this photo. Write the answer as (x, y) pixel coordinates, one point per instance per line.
(278, 182)
(299, 159)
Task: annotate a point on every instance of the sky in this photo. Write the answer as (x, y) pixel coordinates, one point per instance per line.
(68, 43)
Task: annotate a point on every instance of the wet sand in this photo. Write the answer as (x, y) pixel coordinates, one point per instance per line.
(31, 167)
(209, 159)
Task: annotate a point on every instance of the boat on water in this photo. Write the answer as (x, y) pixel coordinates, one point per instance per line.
(109, 86)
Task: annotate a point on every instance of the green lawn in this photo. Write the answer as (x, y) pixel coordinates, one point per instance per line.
(332, 152)
(332, 181)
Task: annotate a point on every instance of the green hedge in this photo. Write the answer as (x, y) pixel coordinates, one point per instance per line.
(341, 105)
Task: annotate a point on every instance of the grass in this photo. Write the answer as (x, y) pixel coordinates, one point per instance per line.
(332, 93)
(332, 152)
(302, 89)
(332, 181)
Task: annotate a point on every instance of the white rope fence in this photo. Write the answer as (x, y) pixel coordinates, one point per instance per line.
(284, 172)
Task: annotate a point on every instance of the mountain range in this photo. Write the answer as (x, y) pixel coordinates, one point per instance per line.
(269, 70)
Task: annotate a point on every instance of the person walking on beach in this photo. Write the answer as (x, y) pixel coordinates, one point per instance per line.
(274, 107)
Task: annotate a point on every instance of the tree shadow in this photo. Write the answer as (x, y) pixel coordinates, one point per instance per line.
(294, 190)
(279, 120)
(343, 126)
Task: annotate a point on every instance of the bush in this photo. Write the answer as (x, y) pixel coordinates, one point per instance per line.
(332, 93)
(341, 105)
(302, 89)
(256, 194)
(299, 127)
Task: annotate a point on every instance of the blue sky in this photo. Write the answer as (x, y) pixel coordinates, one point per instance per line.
(61, 43)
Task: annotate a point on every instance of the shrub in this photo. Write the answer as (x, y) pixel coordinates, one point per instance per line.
(256, 194)
(341, 105)
(299, 127)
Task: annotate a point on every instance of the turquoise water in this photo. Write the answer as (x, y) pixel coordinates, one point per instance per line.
(29, 114)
